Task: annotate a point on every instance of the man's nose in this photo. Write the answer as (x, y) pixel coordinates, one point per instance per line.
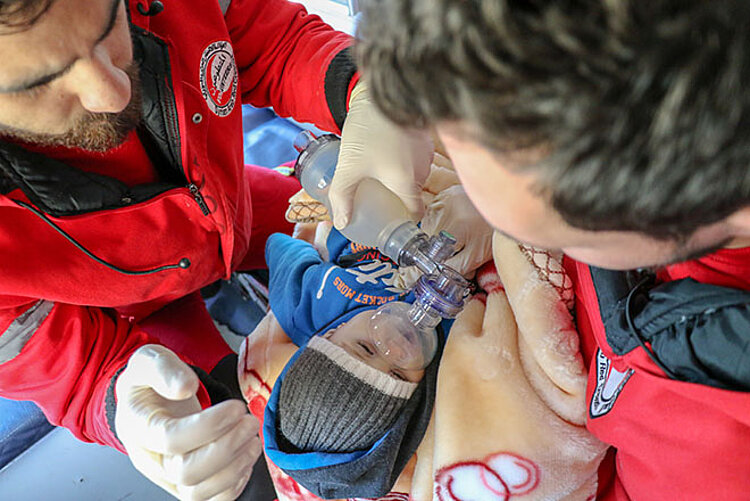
(101, 86)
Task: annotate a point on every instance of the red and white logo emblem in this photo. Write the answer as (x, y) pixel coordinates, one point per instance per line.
(609, 384)
(218, 77)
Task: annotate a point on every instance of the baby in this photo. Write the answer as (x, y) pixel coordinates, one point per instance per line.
(339, 413)
(340, 394)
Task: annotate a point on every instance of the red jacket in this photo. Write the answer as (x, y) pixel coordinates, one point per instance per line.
(68, 312)
(683, 436)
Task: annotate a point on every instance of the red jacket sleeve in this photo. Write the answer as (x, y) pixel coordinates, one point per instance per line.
(65, 358)
(291, 60)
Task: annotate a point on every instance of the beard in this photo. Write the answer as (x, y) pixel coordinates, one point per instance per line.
(93, 131)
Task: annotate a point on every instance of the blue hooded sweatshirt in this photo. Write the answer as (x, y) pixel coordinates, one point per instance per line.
(309, 297)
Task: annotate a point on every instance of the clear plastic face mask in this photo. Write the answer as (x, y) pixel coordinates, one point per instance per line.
(389, 336)
(398, 340)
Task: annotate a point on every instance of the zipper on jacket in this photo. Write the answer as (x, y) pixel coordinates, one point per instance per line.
(198, 196)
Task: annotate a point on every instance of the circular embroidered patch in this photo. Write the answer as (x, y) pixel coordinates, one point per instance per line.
(218, 77)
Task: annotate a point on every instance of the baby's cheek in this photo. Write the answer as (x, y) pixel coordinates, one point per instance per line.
(414, 376)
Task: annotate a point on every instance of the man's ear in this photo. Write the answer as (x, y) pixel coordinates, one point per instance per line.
(739, 223)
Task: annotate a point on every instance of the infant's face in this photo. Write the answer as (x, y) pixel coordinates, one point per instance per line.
(353, 337)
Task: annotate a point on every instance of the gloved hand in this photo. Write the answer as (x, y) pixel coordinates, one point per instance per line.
(449, 209)
(372, 146)
(452, 211)
(191, 453)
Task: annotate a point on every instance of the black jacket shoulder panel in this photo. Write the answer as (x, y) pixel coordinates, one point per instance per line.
(710, 348)
(57, 188)
(159, 108)
(699, 332)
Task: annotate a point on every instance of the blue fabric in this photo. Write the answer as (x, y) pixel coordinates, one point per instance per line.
(309, 296)
(21, 425)
(255, 117)
(268, 139)
(229, 307)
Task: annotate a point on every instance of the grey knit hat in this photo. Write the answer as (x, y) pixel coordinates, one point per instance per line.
(330, 401)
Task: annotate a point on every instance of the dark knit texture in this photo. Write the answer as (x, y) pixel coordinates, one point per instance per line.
(325, 408)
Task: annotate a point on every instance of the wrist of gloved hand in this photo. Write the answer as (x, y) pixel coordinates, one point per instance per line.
(190, 452)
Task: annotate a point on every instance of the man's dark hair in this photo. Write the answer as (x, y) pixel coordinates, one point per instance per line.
(18, 15)
(643, 105)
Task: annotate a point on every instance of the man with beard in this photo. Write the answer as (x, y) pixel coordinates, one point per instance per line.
(619, 132)
(123, 193)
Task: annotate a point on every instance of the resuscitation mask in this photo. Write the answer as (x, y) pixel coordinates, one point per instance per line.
(404, 334)
(398, 340)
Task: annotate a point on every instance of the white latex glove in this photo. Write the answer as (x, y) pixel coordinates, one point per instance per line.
(193, 454)
(449, 209)
(442, 175)
(374, 147)
(452, 211)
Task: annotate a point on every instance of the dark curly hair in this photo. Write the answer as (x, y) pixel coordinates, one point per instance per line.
(644, 105)
(19, 15)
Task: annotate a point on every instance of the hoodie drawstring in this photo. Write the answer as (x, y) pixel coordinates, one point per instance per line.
(631, 325)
